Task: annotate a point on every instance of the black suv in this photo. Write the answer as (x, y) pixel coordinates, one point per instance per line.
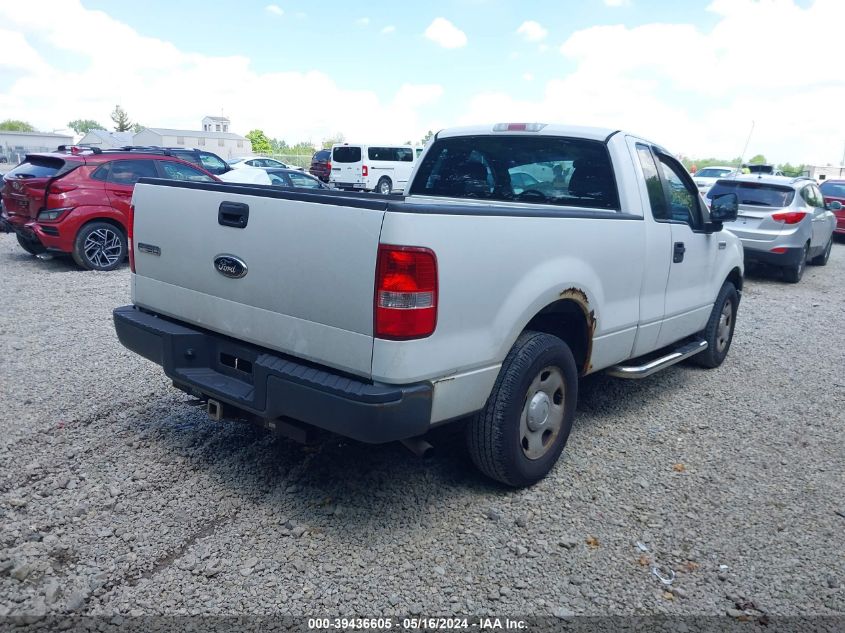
(321, 164)
(207, 160)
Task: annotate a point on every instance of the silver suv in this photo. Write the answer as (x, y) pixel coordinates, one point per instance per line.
(781, 221)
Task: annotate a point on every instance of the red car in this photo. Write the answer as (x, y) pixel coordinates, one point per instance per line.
(834, 190)
(76, 200)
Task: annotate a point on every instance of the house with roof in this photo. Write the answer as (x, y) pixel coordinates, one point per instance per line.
(105, 139)
(225, 144)
(15, 145)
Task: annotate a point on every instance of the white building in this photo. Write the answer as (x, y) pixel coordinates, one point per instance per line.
(226, 145)
(105, 139)
(15, 145)
(215, 124)
(825, 172)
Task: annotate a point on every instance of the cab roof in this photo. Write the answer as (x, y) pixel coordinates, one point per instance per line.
(550, 129)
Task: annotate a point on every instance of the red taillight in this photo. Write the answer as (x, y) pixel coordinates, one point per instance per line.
(60, 187)
(780, 250)
(129, 240)
(364, 171)
(329, 166)
(789, 217)
(406, 292)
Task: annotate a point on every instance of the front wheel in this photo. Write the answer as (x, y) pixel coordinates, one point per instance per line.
(519, 435)
(99, 246)
(719, 331)
(33, 247)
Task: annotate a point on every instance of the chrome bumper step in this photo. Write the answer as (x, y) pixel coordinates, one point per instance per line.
(654, 366)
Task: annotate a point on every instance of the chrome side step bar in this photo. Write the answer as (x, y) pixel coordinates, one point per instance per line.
(654, 366)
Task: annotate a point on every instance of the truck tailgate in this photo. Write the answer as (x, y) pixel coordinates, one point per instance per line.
(310, 260)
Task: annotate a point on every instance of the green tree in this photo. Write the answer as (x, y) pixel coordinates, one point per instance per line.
(83, 126)
(427, 136)
(759, 158)
(121, 120)
(792, 170)
(13, 125)
(260, 142)
(337, 137)
(138, 128)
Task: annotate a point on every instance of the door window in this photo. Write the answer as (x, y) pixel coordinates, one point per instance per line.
(180, 171)
(656, 197)
(277, 180)
(681, 193)
(128, 172)
(213, 164)
(301, 180)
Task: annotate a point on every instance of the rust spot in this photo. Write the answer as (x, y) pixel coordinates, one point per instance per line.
(580, 297)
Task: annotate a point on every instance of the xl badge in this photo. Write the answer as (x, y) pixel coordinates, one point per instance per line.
(230, 266)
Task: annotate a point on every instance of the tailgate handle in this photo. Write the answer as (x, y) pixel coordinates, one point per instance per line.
(234, 214)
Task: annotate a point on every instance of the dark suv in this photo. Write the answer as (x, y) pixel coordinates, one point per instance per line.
(321, 164)
(209, 161)
(77, 200)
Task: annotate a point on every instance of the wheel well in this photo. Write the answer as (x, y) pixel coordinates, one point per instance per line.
(569, 321)
(111, 221)
(735, 277)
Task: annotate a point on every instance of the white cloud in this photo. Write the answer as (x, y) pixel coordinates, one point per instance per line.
(388, 29)
(160, 85)
(528, 77)
(446, 34)
(617, 3)
(532, 31)
(363, 21)
(275, 9)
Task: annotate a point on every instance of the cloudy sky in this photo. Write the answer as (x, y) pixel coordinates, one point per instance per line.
(690, 75)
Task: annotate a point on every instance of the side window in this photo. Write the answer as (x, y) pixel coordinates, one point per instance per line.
(102, 172)
(656, 196)
(807, 195)
(212, 163)
(682, 196)
(180, 171)
(128, 172)
(405, 154)
(277, 180)
(301, 180)
(818, 195)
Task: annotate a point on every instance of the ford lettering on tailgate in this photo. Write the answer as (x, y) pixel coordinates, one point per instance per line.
(230, 266)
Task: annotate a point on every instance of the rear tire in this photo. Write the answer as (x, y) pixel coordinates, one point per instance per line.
(719, 331)
(99, 246)
(33, 247)
(793, 274)
(384, 185)
(519, 435)
(821, 260)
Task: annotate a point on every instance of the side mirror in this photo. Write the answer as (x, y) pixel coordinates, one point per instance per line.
(834, 205)
(724, 208)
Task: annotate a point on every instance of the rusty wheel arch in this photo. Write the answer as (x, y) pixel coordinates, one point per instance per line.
(571, 319)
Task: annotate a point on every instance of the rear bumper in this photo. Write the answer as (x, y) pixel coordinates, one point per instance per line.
(357, 186)
(789, 258)
(270, 385)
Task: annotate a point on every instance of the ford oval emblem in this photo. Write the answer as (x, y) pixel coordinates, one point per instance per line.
(230, 266)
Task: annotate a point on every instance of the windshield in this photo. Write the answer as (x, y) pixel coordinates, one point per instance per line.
(754, 193)
(712, 172)
(545, 170)
(834, 189)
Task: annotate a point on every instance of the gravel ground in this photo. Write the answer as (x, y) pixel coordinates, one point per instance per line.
(118, 497)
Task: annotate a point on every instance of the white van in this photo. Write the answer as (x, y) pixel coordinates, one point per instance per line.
(379, 168)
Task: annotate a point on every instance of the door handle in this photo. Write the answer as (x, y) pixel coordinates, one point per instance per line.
(234, 214)
(678, 252)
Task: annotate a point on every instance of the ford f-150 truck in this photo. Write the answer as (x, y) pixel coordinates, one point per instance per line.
(522, 257)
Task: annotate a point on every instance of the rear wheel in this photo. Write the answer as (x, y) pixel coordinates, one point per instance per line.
(384, 185)
(99, 246)
(821, 260)
(33, 247)
(519, 435)
(794, 273)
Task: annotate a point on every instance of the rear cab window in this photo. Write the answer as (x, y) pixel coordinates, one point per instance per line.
(346, 154)
(754, 193)
(538, 169)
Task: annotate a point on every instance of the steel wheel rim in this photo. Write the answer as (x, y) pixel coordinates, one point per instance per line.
(103, 248)
(723, 333)
(542, 413)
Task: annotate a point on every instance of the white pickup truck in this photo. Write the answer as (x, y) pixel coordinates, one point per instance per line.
(522, 257)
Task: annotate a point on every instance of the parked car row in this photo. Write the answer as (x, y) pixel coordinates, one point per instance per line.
(783, 221)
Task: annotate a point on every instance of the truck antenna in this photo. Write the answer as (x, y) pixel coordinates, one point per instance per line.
(744, 149)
